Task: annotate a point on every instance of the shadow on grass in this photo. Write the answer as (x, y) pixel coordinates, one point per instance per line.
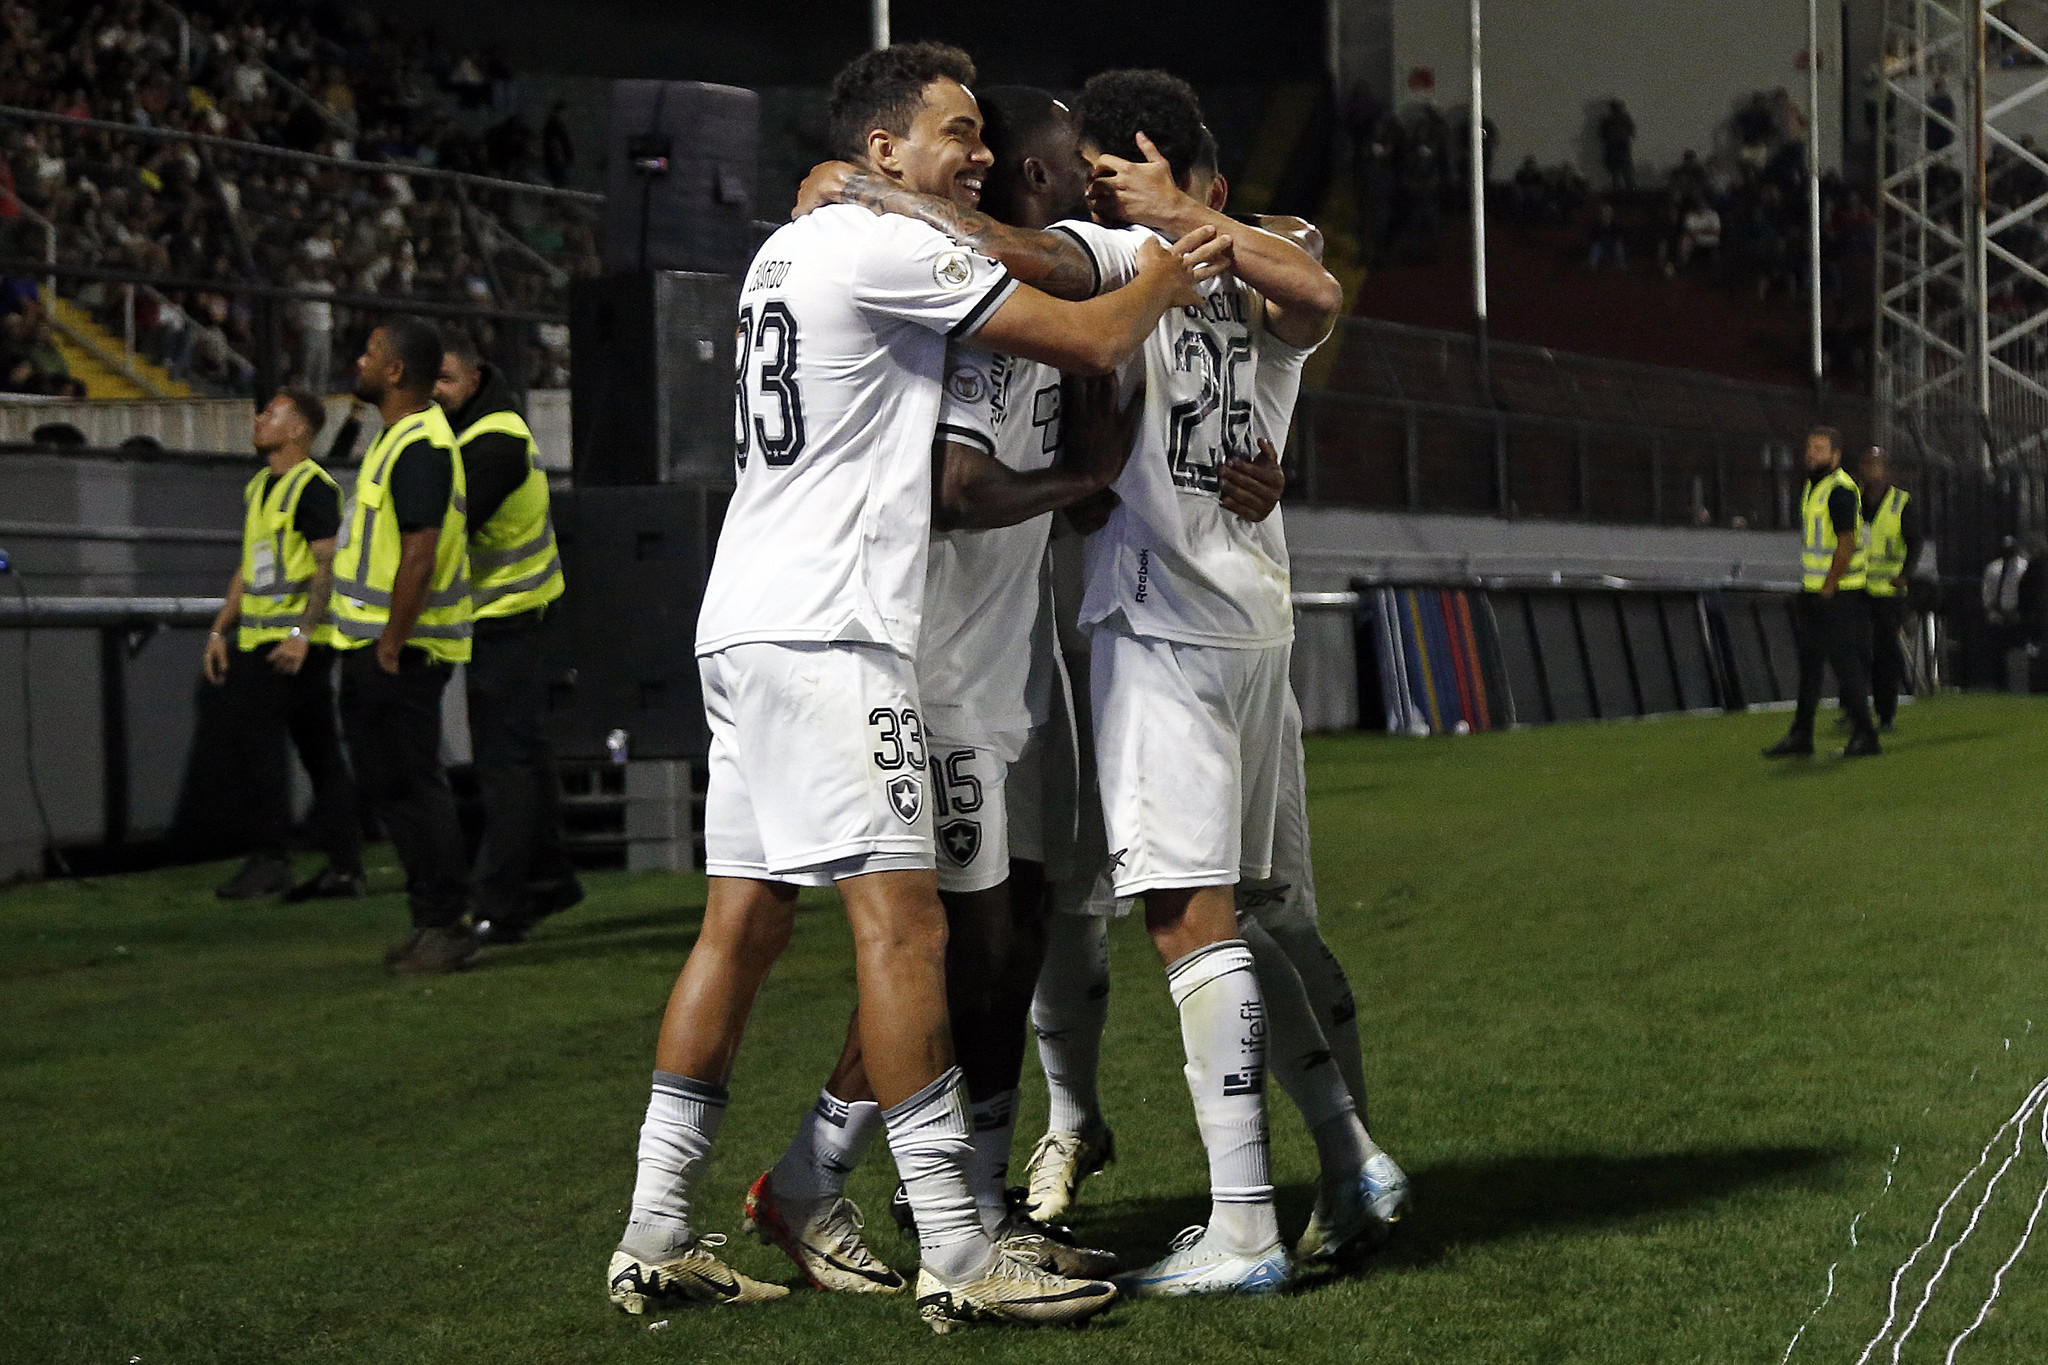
(1464, 1203)
(563, 948)
(1910, 743)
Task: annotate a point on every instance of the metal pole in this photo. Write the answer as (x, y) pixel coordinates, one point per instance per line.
(1813, 192)
(1333, 45)
(1980, 304)
(878, 24)
(1478, 178)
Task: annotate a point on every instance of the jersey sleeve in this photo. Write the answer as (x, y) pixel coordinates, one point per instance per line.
(967, 410)
(1113, 252)
(914, 273)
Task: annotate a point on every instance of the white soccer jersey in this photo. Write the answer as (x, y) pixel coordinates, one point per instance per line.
(1171, 563)
(982, 587)
(843, 322)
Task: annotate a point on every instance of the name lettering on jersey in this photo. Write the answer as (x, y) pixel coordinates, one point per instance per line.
(768, 274)
(999, 375)
(1225, 305)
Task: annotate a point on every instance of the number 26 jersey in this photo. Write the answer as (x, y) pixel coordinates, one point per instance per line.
(843, 322)
(1171, 563)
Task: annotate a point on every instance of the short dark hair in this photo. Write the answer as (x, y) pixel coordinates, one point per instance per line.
(463, 347)
(885, 89)
(310, 408)
(419, 348)
(1834, 437)
(1014, 118)
(1116, 106)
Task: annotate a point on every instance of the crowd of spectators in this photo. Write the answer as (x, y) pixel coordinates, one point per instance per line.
(338, 83)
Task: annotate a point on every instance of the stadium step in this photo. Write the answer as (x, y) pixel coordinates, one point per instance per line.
(95, 357)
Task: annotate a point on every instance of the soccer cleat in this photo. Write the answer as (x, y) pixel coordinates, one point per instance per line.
(692, 1276)
(1014, 1290)
(1059, 1164)
(823, 1237)
(1360, 1216)
(1053, 1249)
(1191, 1266)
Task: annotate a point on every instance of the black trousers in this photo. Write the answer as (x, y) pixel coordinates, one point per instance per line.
(522, 863)
(1833, 632)
(266, 709)
(393, 722)
(1887, 656)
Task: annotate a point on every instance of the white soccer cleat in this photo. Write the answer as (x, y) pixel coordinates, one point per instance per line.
(1059, 1164)
(691, 1277)
(823, 1237)
(1014, 1291)
(1052, 1249)
(1192, 1266)
(1357, 1217)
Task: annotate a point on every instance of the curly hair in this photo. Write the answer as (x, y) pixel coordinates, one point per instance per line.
(885, 89)
(1116, 106)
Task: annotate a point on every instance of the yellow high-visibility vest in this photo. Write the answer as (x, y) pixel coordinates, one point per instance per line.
(277, 562)
(1884, 544)
(513, 563)
(367, 551)
(1817, 554)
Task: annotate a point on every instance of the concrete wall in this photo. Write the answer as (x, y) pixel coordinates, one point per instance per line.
(1550, 66)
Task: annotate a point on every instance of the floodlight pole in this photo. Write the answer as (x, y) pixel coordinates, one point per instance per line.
(1813, 197)
(1478, 178)
(878, 24)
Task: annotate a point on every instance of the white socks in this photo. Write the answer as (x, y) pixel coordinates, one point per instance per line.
(1223, 1028)
(1329, 996)
(828, 1145)
(1301, 1061)
(995, 1127)
(675, 1142)
(929, 1136)
(1068, 1013)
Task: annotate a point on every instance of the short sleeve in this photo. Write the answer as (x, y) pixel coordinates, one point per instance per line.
(422, 480)
(914, 273)
(1844, 511)
(319, 511)
(1113, 252)
(967, 410)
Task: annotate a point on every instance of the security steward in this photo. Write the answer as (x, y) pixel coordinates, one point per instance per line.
(1892, 542)
(402, 620)
(1832, 614)
(277, 669)
(522, 872)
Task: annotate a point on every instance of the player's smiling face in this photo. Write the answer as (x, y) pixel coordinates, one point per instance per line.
(942, 154)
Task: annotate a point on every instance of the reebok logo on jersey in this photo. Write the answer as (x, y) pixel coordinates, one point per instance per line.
(906, 798)
(1144, 572)
(952, 270)
(967, 383)
(961, 840)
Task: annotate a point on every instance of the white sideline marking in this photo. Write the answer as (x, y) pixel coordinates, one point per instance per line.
(2020, 1117)
(1998, 1280)
(1828, 1297)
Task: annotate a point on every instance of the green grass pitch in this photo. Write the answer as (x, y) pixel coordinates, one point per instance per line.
(1645, 1018)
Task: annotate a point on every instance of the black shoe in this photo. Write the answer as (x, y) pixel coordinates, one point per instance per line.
(331, 884)
(394, 951)
(552, 898)
(437, 951)
(1884, 727)
(502, 932)
(1791, 746)
(1861, 745)
(258, 877)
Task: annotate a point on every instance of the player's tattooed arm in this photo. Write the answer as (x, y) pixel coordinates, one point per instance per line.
(1048, 261)
(972, 490)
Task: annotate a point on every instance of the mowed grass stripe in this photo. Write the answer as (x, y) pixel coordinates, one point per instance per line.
(1645, 1017)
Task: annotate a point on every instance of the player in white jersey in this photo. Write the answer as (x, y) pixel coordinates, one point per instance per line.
(988, 680)
(805, 639)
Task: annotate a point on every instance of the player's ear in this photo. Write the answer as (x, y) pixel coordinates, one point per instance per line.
(1219, 192)
(882, 150)
(1036, 174)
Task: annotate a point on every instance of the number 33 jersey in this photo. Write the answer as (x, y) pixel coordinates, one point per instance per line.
(1171, 563)
(843, 322)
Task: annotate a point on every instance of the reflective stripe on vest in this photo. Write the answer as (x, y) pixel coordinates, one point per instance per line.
(366, 560)
(1817, 553)
(277, 562)
(1884, 544)
(512, 557)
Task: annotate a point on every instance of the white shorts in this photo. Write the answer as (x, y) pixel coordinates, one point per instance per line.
(1188, 755)
(1287, 897)
(972, 807)
(817, 763)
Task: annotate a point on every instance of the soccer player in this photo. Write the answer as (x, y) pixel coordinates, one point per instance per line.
(987, 677)
(805, 641)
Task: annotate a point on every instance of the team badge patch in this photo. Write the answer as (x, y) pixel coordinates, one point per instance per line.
(906, 798)
(967, 384)
(952, 270)
(961, 840)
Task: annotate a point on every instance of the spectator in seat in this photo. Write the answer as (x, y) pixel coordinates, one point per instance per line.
(1617, 143)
